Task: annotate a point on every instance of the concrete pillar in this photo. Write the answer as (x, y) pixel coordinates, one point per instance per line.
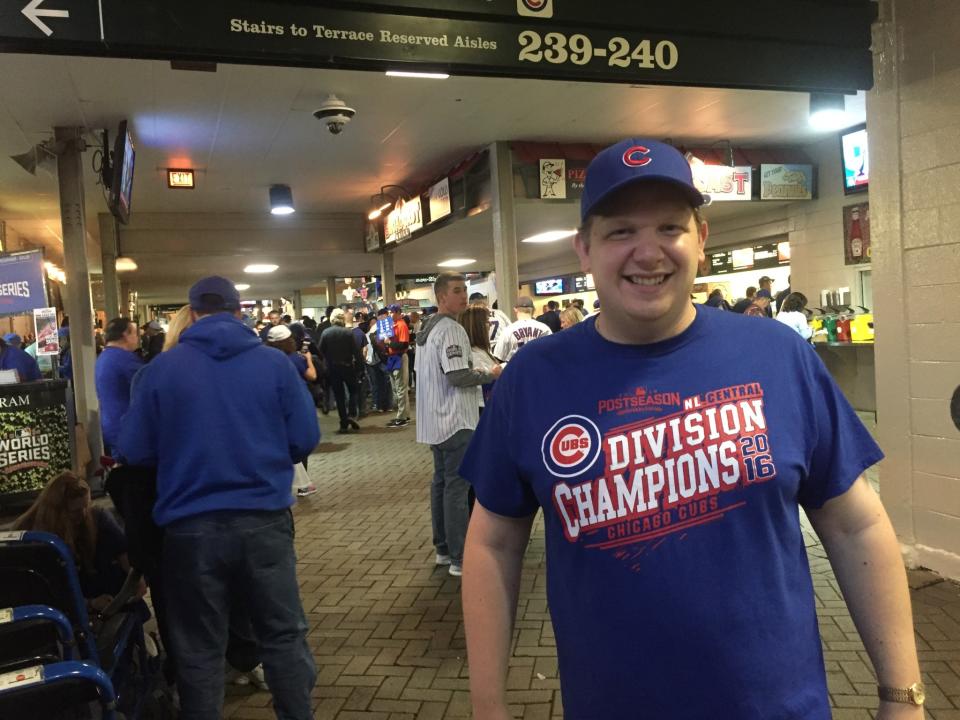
(77, 301)
(913, 116)
(389, 278)
(331, 291)
(109, 231)
(503, 213)
(297, 305)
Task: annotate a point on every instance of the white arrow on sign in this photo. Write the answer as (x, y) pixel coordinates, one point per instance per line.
(34, 12)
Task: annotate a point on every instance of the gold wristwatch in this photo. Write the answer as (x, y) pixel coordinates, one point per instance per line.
(913, 695)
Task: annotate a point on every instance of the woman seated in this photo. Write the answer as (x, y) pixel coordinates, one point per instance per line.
(94, 537)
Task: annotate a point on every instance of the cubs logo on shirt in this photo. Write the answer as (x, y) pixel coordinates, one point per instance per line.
(535, 8)
(571, 446)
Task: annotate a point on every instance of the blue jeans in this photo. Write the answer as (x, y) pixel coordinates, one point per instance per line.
(228, 563)
(449, 507)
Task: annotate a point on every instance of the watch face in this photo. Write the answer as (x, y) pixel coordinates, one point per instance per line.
(917, 694)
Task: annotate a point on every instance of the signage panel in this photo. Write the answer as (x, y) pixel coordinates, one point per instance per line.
(22, 287)
(405, 219)
(439, 200)
(620, 46)
(786, 182)
(723, 183)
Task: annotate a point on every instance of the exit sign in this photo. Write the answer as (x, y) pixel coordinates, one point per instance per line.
(180, 179)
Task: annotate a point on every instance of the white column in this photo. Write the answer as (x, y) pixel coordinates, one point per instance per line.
(503, 209)
(389, 278)
(77, 301)
(108, 251)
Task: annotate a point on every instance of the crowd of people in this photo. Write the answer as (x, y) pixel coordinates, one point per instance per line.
(670, 480)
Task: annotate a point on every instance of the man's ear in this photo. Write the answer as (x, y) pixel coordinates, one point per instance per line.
(582, 248)
(704, 234)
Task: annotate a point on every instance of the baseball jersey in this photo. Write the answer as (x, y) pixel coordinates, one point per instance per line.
(517, 335)
(498, 323)
(670, 479)
(442, 408)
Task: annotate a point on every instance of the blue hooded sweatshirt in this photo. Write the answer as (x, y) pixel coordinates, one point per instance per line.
(223, 419)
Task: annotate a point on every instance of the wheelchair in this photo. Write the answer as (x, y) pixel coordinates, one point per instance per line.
(55, 662)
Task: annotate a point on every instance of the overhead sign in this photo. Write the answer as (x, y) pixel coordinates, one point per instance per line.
(786, 182)
(522, 38)
(723, 183)
(180, 179)
(439, 200)
(405, 219)
(22, 287)
(553, 178)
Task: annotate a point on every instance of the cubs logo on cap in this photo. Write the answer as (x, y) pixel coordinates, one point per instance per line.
(571, 446)
(632, 161)
(535, 8)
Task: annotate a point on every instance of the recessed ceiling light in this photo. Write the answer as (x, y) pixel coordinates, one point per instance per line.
(828, 112)
(281, 200)
(550, 236)
(456, 262)
(126, 264)
(426, 75)
(241, 287)
(260, 269)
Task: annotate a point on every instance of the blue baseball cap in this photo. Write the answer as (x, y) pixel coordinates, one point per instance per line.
(395, 308)
(12, 339)
(631, 161)
(214, 294)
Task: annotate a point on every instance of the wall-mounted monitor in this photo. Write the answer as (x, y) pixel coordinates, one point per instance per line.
(856, 160)
(553, 286)
(121, 188)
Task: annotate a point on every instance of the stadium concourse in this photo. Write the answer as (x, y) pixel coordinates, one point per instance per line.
(386, 626)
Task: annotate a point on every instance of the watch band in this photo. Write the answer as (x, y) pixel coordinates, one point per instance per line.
(913, 695)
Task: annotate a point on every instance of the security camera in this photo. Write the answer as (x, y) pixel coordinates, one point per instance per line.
(335, 114)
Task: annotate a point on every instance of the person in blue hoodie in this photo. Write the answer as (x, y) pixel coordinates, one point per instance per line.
(224, 450)
(113, 374)
(13, 358)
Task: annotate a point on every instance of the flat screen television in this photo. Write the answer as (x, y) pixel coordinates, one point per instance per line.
(553, 286)
(856, 160)
(121, 188)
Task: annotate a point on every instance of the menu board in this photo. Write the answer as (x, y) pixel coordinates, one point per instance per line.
(757, 257)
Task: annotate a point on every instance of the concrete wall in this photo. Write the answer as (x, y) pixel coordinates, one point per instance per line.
(914, 122)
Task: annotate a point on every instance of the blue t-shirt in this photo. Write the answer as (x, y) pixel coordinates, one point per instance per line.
(670, 477)
(113, 374)
(13, 358)
(299, 362)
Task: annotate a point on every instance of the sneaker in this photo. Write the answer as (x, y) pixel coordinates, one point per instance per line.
(455, 570)
(306, 491)
(254, 677)
(402, 422)
(443, 559)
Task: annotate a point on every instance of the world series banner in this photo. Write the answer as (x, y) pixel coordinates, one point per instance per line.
(34, 436)
(22, 287)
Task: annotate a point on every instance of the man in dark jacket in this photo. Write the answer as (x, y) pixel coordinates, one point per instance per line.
(551, 318)
(224, 464)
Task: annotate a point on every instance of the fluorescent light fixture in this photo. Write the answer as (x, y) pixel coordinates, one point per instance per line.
(425, 75)
(126, 264)
(281, 200)
(828, 112)
(550, 236)
(260, 269)
(241, 287)
(374, 214)
(456, 262)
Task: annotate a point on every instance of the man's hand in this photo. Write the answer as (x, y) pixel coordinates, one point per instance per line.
(496, 370)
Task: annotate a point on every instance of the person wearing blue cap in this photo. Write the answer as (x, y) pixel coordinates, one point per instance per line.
(670, 482)
(398, 366)
(13, 358)
(224, 462)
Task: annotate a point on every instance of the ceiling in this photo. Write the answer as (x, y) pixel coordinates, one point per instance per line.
(245, 127)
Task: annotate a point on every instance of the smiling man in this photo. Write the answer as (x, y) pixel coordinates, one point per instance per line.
(670, 483)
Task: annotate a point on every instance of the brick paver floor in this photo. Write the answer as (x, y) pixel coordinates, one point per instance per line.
(386, 626)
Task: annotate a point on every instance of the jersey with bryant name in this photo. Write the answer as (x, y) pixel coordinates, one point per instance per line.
(518, 334)
(670, 477)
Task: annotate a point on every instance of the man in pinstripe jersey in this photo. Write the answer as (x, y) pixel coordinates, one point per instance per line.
(447, 413)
